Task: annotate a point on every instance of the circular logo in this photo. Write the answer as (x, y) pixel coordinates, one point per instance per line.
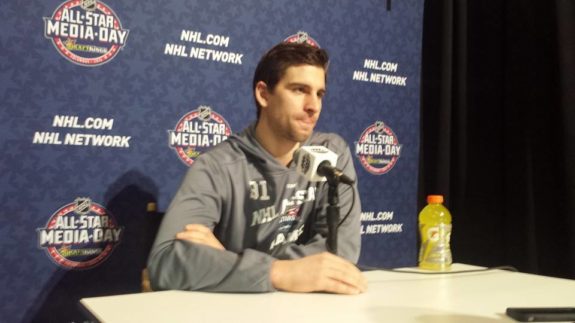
(196, 132)
(85, 32)
(302, 37)
(80, 235)
(378, 148)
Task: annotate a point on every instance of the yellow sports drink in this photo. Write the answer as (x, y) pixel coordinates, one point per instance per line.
(435, 231)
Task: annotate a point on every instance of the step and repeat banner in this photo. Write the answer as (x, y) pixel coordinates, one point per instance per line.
(105, 104)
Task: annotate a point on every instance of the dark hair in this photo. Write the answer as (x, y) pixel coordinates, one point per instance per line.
(275, 62)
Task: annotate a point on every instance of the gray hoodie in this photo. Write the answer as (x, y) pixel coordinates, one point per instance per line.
(258, 209)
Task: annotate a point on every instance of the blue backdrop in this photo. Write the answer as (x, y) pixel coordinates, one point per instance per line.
(101, 108)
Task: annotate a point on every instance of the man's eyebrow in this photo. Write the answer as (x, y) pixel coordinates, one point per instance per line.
(296, 84)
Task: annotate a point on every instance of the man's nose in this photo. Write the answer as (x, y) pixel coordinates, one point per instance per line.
(313, 103)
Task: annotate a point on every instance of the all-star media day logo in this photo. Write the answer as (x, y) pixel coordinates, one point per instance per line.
(378, 148)
(196, 132)
(86, 32)
(80, 235)
(302, 37)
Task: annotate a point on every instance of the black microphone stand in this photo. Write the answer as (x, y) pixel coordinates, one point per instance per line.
(332, 213)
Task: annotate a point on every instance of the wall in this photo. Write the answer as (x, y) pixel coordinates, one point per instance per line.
(99, 108)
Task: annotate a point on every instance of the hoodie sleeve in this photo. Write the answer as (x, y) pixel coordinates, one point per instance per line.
(349, 232)
(179, 264)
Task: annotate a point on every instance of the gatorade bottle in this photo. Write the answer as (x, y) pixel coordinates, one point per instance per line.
(435, 231)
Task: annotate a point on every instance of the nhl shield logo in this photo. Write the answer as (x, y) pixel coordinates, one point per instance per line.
(379, 126)
(302, 37)
(305, 163)
(204, 113)
(88, 5)
(82, 205)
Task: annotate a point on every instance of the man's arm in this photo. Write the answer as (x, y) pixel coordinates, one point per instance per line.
(180, 264)
(198, 233)
(322, 272)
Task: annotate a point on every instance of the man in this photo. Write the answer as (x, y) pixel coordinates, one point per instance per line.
(243, 219)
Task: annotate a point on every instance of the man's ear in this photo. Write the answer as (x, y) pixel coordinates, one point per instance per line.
(261, 94)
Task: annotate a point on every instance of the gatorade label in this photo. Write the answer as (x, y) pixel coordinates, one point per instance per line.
(435, 248)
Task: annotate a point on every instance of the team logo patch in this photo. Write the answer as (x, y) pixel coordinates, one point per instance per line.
(80, 235)
(196, 132)
(86, 32)
(302, 37)
(289, 220)
(378, 148)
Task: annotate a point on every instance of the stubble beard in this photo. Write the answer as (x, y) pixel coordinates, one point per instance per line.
(297, 135)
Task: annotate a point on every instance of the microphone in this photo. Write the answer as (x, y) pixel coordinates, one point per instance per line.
(315, 163)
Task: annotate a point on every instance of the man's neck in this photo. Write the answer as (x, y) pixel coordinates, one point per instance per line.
(281, 149)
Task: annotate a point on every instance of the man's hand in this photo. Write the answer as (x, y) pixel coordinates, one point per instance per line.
(201, 234)
(323, 272)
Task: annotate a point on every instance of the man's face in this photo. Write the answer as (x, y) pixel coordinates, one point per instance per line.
(292, 108)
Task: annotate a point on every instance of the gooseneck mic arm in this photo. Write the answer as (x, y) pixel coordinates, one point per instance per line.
(332, 215)
(332, 174)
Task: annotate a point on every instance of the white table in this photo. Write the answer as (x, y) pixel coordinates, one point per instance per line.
(392, 297)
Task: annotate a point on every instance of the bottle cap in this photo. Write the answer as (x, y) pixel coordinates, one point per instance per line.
(434, 199)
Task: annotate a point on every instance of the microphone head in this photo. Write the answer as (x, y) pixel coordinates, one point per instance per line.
(308, 159)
